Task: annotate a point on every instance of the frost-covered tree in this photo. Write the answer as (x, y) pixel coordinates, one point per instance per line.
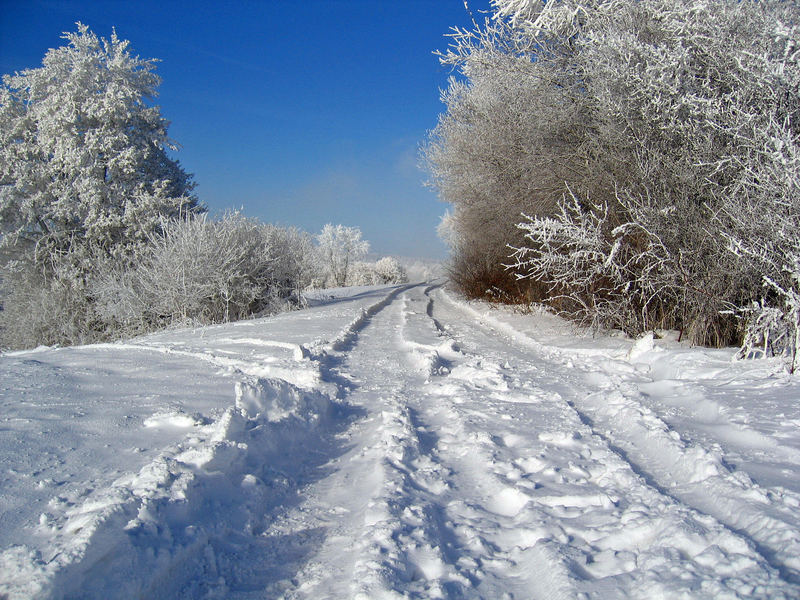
(691, 100)
(339, 249)
(675, 155)
(767, 242)
(299, 262)
(387, 270)
(516, 128)
(85, 181)
(83, 153)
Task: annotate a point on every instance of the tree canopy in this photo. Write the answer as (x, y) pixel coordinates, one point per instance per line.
(84, 153)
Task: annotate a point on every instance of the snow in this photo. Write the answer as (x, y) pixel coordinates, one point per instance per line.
(397, 442)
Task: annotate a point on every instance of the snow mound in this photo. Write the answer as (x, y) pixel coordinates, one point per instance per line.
(129, 540)
(277, 400)
(643, 345)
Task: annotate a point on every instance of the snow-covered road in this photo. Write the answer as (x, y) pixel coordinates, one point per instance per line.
(397, 443)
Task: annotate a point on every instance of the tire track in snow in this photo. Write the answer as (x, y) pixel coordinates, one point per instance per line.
(399, 539)
(263, 555)
(695, 475)
(191, 523)
(690, 473)
(492, 549)
(695, 544)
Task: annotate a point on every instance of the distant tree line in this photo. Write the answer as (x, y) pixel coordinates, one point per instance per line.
(635, 165)
(101, 234)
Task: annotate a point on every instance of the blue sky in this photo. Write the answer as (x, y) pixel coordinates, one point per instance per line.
(299, 113)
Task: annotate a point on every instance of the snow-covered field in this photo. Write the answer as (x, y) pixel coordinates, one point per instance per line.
(397, 443)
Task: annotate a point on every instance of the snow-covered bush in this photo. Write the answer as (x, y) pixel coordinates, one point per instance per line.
(385, 271)
(511, 135)
(773, 331)
(44, 306)
(204, 271)
(763, 235)
(598, 271)
(298, 260)
(389, 270)
(339, 248)
(193, 271)
(361, 273)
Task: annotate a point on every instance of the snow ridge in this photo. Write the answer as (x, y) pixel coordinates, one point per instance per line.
(164, 509)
